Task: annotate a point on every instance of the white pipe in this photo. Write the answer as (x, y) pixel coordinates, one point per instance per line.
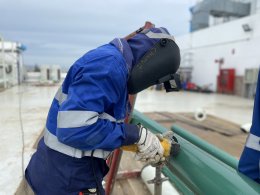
(200, 114)
(148, 173)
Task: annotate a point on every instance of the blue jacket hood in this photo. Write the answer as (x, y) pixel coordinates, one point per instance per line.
(135, 48)
(140, 43)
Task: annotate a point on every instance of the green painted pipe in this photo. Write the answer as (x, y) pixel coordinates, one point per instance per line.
(216, 152)
(201, 168)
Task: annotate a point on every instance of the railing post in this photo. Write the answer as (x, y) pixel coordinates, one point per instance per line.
(115, 159)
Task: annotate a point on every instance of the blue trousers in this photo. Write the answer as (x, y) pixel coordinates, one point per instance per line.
(52, 173)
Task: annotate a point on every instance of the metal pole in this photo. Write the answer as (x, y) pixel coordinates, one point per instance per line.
(19, 69)
(3, 62)
(115, 161)
(14, 68)
(158, 181)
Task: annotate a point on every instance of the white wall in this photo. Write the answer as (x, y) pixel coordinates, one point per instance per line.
(216, 42)
(255, 6)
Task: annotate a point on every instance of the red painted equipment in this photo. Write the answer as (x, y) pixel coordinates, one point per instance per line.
(191, 86)
(226, 81)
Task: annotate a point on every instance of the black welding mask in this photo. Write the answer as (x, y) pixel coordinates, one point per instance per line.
(158, 65)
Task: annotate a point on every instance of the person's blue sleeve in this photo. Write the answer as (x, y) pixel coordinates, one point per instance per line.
(249, 163)
(82, 124)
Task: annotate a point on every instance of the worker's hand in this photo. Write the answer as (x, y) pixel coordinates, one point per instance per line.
(149, 147)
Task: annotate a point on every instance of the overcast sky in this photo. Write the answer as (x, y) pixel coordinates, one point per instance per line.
(60, 31)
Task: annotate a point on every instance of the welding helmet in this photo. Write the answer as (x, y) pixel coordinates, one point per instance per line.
(157, 65)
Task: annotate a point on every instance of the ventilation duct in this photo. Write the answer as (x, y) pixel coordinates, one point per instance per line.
(217, 8)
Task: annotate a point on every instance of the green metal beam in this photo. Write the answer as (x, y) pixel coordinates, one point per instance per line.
(209, 148)
(201, 167)
(177, 182)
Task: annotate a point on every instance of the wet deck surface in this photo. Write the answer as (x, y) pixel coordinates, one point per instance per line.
(232, 108)
(35, 103)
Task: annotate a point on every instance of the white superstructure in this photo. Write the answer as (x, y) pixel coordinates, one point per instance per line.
(236, 43)
(46, 74)
(11, 63)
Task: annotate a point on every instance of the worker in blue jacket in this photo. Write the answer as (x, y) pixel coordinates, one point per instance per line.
(249, 163)
(85, 120)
